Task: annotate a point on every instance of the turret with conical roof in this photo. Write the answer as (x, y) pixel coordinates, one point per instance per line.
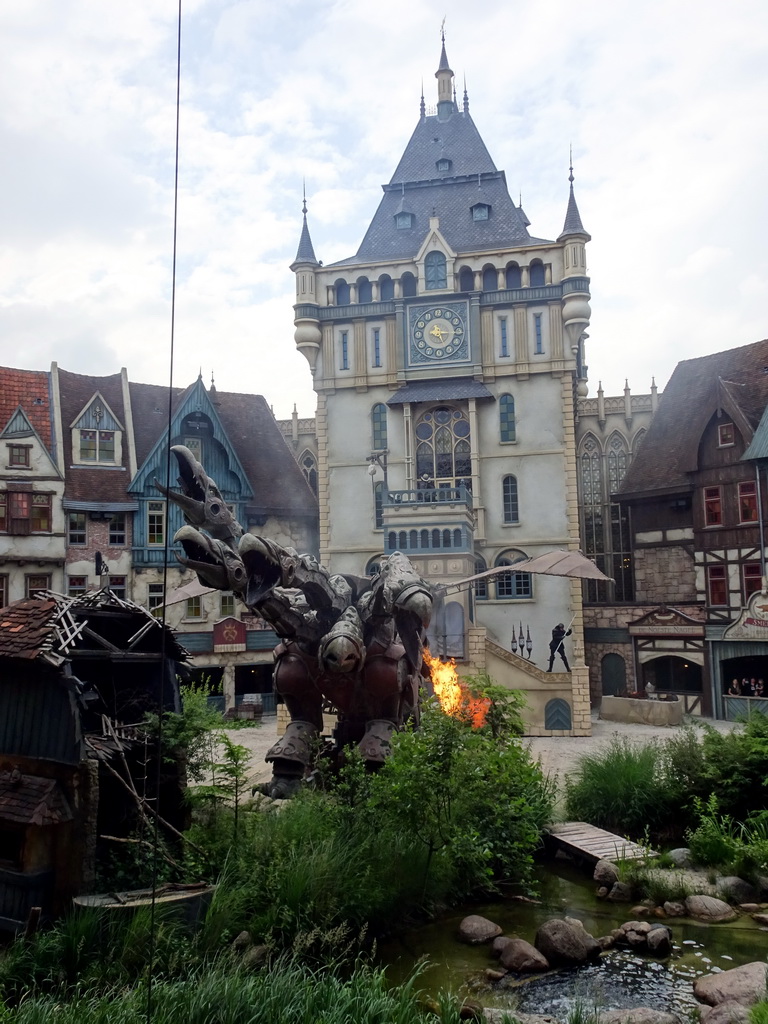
(307, 334)
(446, 104)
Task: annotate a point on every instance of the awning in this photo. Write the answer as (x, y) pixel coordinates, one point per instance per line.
(551, 563)
(439, 390)
(192, 589)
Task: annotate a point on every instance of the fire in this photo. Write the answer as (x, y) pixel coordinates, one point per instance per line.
(454, 695)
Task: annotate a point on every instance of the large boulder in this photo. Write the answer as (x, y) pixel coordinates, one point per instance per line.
(744, 985)
(638, 1015)
(673, 908)
(736, 890)
(709, 909)
(605, 873)
(680, 857)
(729, 1012)
(564, 944)
(498, 944)
(659, 940)
(519, 955)
(620, 892)
(475, 930)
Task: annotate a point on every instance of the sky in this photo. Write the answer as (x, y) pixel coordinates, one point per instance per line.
(664, 104)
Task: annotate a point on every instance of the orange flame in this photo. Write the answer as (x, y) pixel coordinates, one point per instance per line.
(454, 695)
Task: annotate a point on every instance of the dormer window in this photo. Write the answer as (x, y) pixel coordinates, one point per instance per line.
(404, 220)
(444, 165)
(726, 437)
(97, 446)
(481, 211)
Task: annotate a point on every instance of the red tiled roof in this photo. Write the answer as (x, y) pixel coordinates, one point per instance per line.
(31, 800)
(30, 390)
(25, 626)
(735, 380)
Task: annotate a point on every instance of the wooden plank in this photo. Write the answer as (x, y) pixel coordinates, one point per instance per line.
(593, 843)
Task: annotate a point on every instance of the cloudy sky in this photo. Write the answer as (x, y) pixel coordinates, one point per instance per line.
(664, 103)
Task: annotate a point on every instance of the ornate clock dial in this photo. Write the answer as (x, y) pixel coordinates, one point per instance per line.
(438, 332)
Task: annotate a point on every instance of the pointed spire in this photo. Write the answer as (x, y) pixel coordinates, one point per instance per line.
(466, 96)
(444, 65)
(306, 252)
(573, 225)
(422, 105)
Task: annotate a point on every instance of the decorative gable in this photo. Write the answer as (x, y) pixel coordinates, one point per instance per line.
(97, 435)
(22, 451)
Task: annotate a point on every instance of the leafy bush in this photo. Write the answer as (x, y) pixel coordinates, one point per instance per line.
(736, 767)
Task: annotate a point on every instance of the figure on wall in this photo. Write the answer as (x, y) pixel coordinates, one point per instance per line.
(350, 643)
(556, 646)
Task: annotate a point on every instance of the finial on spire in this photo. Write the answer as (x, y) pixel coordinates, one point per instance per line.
(304, 195)
(570, 162)
(422, 105)
(213, 382)
(466, 96)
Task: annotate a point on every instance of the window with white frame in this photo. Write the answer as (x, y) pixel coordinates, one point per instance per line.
(156, 523)
(36, 582)
(155, 597)
(513, 586)
(97, 446)
(194, 608)
(227, 605)
(3, 590)
(76, 585)
(510, 500)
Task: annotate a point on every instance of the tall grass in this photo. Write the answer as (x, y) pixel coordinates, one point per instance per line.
(284, 995)
(617, 788)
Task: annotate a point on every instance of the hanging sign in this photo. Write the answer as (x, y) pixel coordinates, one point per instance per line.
(228, 636)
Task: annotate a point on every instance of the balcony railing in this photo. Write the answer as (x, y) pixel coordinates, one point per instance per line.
(430, 496)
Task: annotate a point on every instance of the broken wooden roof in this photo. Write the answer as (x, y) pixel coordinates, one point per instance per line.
(31, 800)
(53, 627)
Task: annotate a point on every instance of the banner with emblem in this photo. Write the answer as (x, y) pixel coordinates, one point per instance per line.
(228, 636)
(752, 624)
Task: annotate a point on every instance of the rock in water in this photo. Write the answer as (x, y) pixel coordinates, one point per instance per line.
(476, 930)
(709, 908)
(519, 955)
(744, 985)
(563, 944)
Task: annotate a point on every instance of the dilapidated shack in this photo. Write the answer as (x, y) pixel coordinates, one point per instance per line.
(77, 770)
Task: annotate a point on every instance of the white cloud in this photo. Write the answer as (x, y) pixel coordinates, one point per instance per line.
(662, 102)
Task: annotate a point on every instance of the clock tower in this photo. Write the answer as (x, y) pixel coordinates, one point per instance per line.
(446, 356)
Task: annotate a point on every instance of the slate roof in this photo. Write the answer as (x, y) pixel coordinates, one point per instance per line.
(25, 627)
(435, 390)
(735, 380)
(573, 225)
(417, 187)
(305, 252)
(29, 389)
(279, 486)
(31, 800)
(91, 483)
(149, 405)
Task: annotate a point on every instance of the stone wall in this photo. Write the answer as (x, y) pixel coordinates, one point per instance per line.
(664, 575)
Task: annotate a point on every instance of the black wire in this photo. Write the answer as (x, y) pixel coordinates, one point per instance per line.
(164, 661)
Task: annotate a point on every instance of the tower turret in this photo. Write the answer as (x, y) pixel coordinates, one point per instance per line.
(445, 101)
(307, 334)
(576, 308)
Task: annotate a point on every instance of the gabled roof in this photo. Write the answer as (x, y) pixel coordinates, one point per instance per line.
(31, 390)
(455, 138)
(758, 446)
(735, 381)
(32, 800)
(92, 483)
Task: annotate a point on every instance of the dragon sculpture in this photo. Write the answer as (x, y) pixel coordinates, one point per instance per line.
(348, 642)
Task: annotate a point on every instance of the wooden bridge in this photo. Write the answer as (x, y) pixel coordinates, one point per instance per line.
(589, 844)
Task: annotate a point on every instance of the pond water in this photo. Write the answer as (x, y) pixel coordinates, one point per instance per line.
(618, 980)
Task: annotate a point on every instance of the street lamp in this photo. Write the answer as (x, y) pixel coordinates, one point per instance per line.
(378, 460)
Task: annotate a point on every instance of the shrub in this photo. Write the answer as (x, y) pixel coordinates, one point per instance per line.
(619, 788)
(736, 767)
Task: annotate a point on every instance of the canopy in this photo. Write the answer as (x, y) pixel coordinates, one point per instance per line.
(551, 563)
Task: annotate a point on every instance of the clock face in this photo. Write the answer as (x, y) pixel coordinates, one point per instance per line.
(438, 332)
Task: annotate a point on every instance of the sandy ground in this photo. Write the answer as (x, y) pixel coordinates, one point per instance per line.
(559, 755)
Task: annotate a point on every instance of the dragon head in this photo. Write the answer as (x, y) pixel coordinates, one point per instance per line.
(215, 563)
(200, 499)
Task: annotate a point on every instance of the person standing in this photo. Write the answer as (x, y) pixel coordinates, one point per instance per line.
(556, 646)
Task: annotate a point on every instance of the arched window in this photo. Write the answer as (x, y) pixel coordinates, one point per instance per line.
(617, 461)
(424, 539)
(446, 538)
(392, 540)
(443, 449)
(457, 538)
(513, 586)
(378, 504)
(379, 427)
(342, 292)
(537, 277)
(435, 273)
(510, 502)
(364, 292)
(638, 440)
(402, 540)
(408, 284)
(466, 280)
(480, 587)
(513, 276)
(386, 288)
(490, 279)
(308, 465)
(373, 568)
(507, 431)
(436, 539)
